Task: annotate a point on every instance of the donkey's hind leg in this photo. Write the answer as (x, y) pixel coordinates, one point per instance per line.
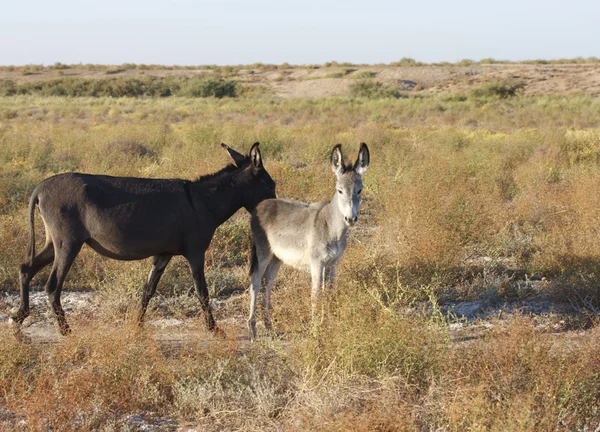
(65, 255)
(261, 266)
(159, 263)
(27, 271)
(270, 275)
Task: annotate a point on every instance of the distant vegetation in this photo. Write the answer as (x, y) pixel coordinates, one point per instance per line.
(124, 87)
(405, 61)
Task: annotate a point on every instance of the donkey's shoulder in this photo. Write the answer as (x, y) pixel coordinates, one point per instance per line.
(318, 205)
(280, 204)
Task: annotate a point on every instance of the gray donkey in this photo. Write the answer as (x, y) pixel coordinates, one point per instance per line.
(129, 218)
(308, 237)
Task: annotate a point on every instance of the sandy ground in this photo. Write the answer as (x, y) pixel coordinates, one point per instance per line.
(335, 81)
(175, 331)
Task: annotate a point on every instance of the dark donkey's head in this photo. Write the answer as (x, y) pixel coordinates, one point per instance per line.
(251, 177)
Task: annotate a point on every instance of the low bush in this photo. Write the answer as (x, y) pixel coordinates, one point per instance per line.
(503, 90)
(363, 75)
(407, 61)
(369, 88)
(211, 87)
(123, 87)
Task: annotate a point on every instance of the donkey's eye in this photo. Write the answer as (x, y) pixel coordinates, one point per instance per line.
(339, 191)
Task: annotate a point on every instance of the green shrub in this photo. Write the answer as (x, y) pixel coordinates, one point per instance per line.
(113, 70)
(60, 66)
(363, 75)
(123, 87)
(465, 62)
(489, 60)
(211, 87)
(499, 90)
(407, 61)
(372, 89)
(7, 88)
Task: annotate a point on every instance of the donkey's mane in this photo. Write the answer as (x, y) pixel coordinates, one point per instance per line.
(346, 167)
(218, 175)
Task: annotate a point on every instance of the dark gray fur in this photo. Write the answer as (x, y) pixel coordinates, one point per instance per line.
(129, 218)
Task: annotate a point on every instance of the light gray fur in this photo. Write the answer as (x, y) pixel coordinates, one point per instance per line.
(310, 237)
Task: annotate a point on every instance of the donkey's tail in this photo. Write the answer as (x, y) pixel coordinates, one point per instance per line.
(253, 260)
(31, 248)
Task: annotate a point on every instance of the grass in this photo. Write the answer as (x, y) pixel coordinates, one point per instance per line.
(453, 180)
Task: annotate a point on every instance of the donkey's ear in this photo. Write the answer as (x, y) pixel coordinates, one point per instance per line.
(337, 159)
(238, 158)
(255, 157)
(362, 162)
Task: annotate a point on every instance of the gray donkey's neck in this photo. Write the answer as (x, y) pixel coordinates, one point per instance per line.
(336, 228)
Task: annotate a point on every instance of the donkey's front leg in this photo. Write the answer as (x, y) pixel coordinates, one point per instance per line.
(255, 285)
(317, 270)
(197, 267)
(328, 277)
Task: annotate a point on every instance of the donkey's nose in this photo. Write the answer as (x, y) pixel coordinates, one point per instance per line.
(351, 220)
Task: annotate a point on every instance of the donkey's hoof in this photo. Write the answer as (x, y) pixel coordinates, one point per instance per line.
(252, 330)
(219, 333)
(17, 316)
(65, 330)
(22, 337)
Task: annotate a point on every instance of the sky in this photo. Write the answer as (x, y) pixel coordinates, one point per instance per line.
(222, 32)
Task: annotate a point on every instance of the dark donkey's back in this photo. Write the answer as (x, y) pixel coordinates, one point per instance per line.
(133, 218)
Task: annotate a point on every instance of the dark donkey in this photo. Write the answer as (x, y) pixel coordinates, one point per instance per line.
(129, 218)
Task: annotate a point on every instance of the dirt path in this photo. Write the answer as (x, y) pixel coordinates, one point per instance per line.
(464, 319)
(40, 326)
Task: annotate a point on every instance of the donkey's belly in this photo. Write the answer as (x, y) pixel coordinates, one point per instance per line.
(130, 246)
(293, 257)
(121, 238)
(121, 253)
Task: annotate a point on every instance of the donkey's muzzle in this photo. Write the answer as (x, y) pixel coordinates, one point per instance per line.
(351, 220)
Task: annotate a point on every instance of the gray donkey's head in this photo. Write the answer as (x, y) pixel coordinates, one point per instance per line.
(349, 181)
